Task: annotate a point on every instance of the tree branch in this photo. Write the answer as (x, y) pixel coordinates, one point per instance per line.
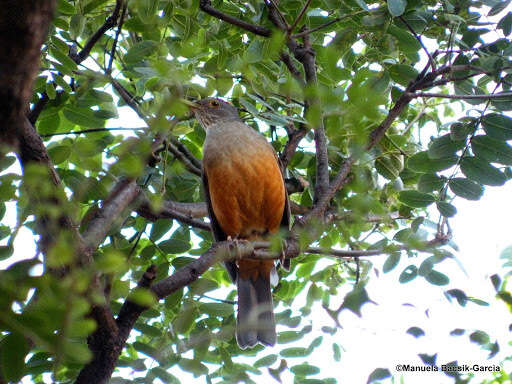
(120, 198)
(299, 16)
(310, 31)
(205, 6)
(182, 212)
(460, 97)
(184, 159)
(92, 130)
(116, 39)
(109, 23)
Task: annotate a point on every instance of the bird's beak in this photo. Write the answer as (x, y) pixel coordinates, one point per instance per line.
(192, 105)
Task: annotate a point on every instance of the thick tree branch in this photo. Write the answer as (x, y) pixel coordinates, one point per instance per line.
(182, 212)
(287, 60)
(108, 344)
(23, 29)
(205, 6)
(294, 139)
(120, 198)
(306, 56)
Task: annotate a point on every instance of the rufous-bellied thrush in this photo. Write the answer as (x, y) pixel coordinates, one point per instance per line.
(246, 199)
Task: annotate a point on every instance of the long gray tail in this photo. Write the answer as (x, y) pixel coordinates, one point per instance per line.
(255, 320)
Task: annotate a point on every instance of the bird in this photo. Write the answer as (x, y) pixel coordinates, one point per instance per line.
(246, 199)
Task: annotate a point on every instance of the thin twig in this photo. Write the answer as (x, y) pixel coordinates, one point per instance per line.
(116, 38)
(109, 23)
(91, 130)
(181, 157)
(205, 6)
(430, 59)
(299, 16)
(310, 31)
(460, 97)
(279, 13)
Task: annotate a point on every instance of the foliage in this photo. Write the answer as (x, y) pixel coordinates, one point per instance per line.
(397, 198)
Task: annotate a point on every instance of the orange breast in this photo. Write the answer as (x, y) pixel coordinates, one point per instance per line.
(247, 193)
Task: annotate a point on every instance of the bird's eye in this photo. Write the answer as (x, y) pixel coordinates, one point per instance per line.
(214, 103)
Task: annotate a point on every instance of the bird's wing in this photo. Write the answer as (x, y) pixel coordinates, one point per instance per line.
(285, 221)
(218, 233)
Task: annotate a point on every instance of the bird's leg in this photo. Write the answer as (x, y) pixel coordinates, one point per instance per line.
(235, 242)
(285, 263)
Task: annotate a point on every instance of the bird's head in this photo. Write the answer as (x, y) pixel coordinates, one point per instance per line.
(212, 110)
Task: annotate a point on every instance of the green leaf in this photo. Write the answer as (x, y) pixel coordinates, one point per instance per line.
(482, 172)
(140, 51)
(491, 150)
(408, 274)
(391, 262)
(295, 352)
(430, 182)
(336, 352)
(59, 153)
(355, 299)
(142, 297)
(67, 64)
(446, 209)
(305, 369)
(362, 4)
(266, 361)
(505, 24)
(397, 7)
(443, 147)
(179, 242)
(402, 74)
(416, 199)
(193, 366)
(63, 6)
(160, 228)
(498, 126)
(459, 295)
(50, 90)
(216, 309)
(13, 349)
(378, 374)
(421, 162)
(465, 188)
(479, 337)
(407, 43)
(165, 376)
(59, 80)
(6, 162)
(92, 5)
(174, 299)
(82, 116)
(500, 6)
(289, 336)
(186, 320)
(416, 332)
(459, 131)
(437, 278)
(389, 166)
(76, 25)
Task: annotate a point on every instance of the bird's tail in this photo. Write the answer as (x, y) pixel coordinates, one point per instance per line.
(255, 320)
